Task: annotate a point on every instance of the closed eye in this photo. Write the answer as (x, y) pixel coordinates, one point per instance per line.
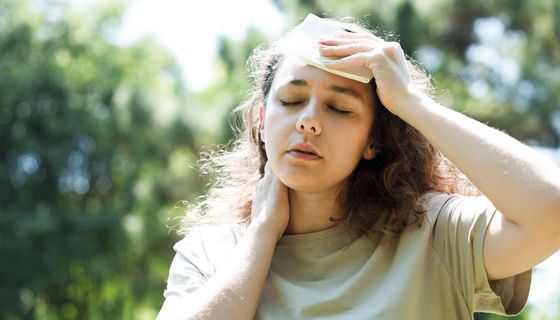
(290, 103)
(338, 110)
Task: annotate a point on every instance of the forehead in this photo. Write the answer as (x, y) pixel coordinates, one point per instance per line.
(291, 68)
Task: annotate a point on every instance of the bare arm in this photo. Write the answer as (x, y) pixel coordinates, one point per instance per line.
(524, 187)
(236, 288)
(233, 290)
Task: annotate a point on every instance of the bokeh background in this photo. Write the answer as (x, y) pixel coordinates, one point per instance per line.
(105, 106)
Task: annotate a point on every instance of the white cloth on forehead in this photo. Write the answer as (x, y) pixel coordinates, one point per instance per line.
(304, 44)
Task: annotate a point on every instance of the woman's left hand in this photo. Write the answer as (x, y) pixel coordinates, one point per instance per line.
(385, 60)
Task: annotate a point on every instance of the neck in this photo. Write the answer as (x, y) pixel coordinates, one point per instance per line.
(311, 212)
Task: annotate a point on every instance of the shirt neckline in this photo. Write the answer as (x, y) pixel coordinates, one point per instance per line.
(311, 237)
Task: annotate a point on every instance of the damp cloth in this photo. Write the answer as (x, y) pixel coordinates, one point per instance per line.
(306, 37)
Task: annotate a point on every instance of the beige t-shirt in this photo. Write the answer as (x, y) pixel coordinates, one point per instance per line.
(432, 271)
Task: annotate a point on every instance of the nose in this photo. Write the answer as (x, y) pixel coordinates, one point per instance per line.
(308, 121)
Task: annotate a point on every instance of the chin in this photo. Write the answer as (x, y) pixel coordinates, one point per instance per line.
(303, 180)
(297, 183)
(305, 189)
(307, 185)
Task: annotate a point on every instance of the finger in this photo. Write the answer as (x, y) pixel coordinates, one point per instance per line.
(358, 35)
(387, 53)
(344, 50)
(398, 53)
(269, 177)
(333, 41)
(265, 177)
(393, 50)
(361, 59)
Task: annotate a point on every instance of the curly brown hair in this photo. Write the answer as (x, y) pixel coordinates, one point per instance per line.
(381, 194)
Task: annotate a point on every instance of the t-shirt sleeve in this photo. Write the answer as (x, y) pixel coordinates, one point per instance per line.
(187, 270)
(198, 256)
(459, 225)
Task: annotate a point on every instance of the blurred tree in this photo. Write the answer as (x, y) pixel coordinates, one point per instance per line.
(484, 316)
(95, 138)
(229, 88)
(94, 146)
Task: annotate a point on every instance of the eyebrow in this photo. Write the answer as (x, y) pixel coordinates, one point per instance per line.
(333, 87)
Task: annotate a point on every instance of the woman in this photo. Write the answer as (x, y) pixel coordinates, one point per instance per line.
(340, 205)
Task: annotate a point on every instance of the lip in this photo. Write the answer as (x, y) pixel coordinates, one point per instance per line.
(305, 151)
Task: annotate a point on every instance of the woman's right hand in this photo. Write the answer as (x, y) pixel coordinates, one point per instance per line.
(236, 287)
(270, 208)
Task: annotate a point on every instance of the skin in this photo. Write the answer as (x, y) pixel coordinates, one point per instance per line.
(524, 188)
(294, 196)
(309, 106)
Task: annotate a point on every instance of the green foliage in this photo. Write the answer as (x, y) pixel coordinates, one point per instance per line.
(486, 316)
(94, 155)
(96, 139)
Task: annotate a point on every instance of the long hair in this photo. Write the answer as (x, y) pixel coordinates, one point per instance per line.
(381, 194)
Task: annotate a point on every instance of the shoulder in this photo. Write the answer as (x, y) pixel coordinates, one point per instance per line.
(210, 236)
(457, 226)
(197, 257)
(455, 207)
(208, 246)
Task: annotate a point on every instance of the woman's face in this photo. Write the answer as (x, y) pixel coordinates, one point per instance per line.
(316, 126)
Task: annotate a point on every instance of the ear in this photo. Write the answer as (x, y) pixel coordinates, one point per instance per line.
(370, 152)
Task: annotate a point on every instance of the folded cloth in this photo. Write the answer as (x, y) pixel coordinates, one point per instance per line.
(305, 38)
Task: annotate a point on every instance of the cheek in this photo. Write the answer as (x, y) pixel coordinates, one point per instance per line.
(272, 138)
(273, 150)
(276, 125)
(268, 131)
(348, 155)
(353, 143)
(268, 148)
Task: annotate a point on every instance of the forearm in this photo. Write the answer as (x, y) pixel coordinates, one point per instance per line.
(236, 288)
(523, 186)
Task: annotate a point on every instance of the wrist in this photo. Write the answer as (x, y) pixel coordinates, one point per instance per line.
(408, 98)
(412, 103)
(263, 229)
